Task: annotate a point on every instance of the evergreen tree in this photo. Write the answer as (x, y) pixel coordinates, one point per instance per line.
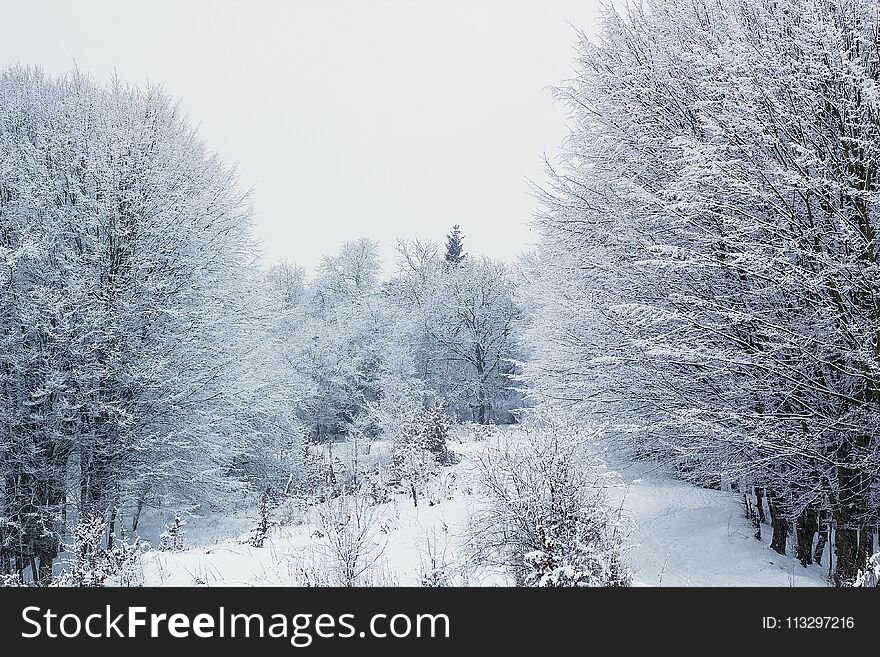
(454, 247)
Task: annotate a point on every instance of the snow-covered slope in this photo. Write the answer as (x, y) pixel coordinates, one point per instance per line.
(690, 536)
(684, 536)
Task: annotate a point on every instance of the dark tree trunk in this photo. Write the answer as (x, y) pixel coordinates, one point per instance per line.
(806, 526)
(45, 571)
(481, 391)
(111, 528)
(5, 561)
(846, 547)
(866, 546)
(759, 503)
(142, 500)
(852, 534)
(823, 537)
(779, 525)
(752, 515)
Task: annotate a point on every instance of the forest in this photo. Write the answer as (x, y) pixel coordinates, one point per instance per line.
(703, 301)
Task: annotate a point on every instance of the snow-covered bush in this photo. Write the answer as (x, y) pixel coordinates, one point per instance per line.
(435, 569)
(308, 478)
(411, 463)
(289, 512)
(870, 576)
(482, 432)
(546, 521)
(421, 446)
(576, 551)
(375, 488)
(89, 567)
(433, 432)
(265, 521)
(94, 565)
(441, 488)
(11, 580)
(309, 572)
(351, 539)
(125, 560)
(173, 538)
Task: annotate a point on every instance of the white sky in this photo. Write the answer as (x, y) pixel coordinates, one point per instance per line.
(347, 118)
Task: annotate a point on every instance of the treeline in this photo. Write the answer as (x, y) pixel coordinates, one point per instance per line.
(145, 359)
(707, 284)
(441, 331)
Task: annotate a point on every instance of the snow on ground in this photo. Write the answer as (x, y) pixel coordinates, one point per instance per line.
(408, 532)
(690, 536)
(684, 536)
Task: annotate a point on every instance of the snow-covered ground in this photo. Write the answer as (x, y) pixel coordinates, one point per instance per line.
(409, 534)
(684, 536)
(690, 536)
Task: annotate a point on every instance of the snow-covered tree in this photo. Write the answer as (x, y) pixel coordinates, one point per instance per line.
(454, 247)
(706, 279)
(334, 331)
(468, 315)
(126, 312)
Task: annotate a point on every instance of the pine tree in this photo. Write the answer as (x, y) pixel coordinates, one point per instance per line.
(454, 247)
(172, 539)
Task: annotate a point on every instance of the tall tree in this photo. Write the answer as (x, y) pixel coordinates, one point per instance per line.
(126, 312)
(708, 257)
(469, 319)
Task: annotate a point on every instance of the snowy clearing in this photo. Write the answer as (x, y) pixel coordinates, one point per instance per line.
(684, 536)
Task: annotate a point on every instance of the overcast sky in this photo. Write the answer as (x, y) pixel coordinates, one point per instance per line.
(346, 118)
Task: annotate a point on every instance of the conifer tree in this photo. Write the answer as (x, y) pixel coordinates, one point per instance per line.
(454, 247)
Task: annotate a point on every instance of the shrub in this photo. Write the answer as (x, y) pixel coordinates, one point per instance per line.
(870, 576)
(94, 565)
(261, 531)
(422, 446)
(546, 521)
(351, 539)
(173, 538)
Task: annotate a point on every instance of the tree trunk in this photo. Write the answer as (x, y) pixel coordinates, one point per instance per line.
(823, 537)
(852, 534)
(779, 524)
(806, 526)
(481, 390)
(45, 571)
(752, 515)
(111, 528)
(759, 503)
(846, 547)
(141, 501)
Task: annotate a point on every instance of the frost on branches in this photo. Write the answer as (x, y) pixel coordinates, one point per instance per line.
(136, 367)
(95, 564)
(422, 444)
(870, 575)
(707, 276)
(260, 533)
(545, 519)
(173, 539)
